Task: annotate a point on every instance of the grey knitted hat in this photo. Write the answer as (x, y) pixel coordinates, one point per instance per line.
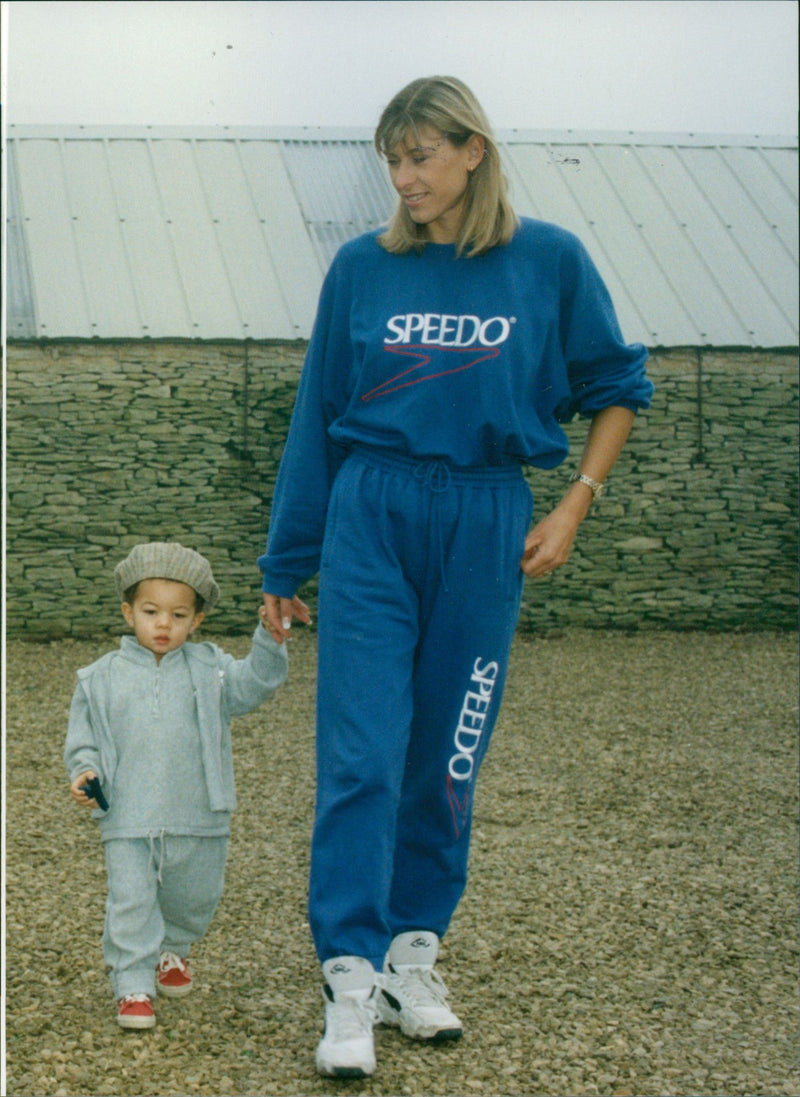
(167, 560)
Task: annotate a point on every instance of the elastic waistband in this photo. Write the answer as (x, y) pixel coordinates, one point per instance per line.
(426, 467)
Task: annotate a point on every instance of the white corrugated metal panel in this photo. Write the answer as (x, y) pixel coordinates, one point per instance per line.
(694, 251)
(139, 235)
(361, 199)
(227, 233)
(20, 322)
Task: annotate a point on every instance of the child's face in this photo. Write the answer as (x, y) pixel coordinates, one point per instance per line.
(163, 615)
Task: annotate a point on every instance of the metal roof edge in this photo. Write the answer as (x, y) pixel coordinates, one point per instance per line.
(201, 133)
(644, 137)
(73, 132)
(15, 339)
(360, 133)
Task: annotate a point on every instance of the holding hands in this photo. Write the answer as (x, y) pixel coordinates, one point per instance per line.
(277, 615)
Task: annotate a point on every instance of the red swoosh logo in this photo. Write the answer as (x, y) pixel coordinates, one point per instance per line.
(459, 805)
(405, 379)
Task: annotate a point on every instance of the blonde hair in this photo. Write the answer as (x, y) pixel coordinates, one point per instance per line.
(447, 105)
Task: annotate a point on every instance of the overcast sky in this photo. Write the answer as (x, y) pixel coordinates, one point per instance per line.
(709, 66)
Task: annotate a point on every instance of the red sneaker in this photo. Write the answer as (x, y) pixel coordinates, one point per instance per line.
(135, 1011)
(173, 976)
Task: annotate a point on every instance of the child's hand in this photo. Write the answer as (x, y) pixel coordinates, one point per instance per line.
(77, 793)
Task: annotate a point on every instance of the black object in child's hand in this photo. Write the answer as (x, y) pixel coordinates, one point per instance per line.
(94, 792)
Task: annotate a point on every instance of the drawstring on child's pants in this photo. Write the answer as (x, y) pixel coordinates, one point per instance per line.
(162, 838)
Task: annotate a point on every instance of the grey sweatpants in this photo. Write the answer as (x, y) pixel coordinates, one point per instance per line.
(162, 894)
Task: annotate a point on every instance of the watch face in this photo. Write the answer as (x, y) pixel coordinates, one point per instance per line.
(596, 488)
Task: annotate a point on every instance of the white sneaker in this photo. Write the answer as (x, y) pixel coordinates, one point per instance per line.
(413, 994)
(347, 1048)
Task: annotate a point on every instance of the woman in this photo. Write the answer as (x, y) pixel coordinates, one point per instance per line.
(445, 353)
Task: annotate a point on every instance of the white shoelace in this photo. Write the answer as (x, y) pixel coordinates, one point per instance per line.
(135, 998)
(169, 962)
(349, 1018)
(421, 986)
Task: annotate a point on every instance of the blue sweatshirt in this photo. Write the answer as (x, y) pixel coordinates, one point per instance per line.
(474, 362)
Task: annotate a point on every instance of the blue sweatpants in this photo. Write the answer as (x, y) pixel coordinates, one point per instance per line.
(420, 588)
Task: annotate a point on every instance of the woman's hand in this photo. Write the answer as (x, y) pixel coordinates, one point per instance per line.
(549, 544)
(76, 790)
(277, 615)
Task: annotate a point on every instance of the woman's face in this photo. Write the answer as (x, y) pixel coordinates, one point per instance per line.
(431, 175)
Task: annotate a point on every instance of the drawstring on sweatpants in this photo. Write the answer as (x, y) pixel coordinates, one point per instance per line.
(435, 475)
(162, 838)
(438, 476)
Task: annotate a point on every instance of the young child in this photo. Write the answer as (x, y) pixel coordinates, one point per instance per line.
(152, 722)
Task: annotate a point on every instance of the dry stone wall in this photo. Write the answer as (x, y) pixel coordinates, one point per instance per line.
(699, 526)
(110, 444)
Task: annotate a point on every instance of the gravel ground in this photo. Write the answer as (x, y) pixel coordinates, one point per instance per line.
(630, 925)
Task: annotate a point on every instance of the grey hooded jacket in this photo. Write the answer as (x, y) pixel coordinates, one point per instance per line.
(222, 686)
